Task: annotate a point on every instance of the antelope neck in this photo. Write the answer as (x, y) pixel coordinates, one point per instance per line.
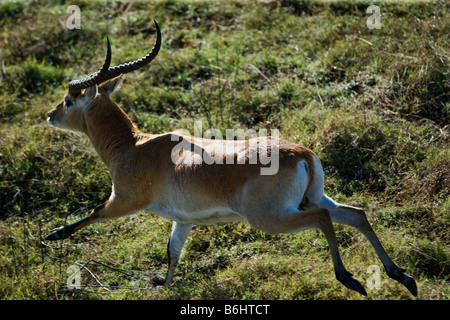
(110, 130)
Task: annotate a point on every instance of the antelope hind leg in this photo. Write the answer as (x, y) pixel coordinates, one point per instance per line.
(360, 222)
(295, 220)
(356, 217)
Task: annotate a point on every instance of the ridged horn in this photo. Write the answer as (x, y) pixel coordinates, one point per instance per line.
(75, 86)
(106, 73)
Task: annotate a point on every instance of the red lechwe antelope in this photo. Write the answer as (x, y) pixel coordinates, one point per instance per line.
(151, 172)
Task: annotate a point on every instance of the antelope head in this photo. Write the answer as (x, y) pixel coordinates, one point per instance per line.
(82, 94)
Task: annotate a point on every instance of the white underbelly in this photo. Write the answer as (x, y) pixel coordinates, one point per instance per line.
(197, 217)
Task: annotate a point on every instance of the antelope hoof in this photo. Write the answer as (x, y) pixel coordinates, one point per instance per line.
(58, 234)
(158, 280)
(405, 279)
(351, 283)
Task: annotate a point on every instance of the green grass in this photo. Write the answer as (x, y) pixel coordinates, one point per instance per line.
(373, 104)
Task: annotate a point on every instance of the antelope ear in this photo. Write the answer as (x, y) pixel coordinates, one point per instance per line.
(90, 93)
(112, 85)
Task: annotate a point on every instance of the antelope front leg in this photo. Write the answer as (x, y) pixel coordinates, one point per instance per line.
(66, 231)
(177, 239)
(115, 207)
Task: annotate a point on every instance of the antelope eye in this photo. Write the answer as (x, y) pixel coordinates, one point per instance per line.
(68, 103)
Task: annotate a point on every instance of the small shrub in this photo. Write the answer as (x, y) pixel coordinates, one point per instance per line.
(355, 153)
(34, 76)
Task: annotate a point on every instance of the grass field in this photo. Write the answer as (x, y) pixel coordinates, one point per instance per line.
(372, 103)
